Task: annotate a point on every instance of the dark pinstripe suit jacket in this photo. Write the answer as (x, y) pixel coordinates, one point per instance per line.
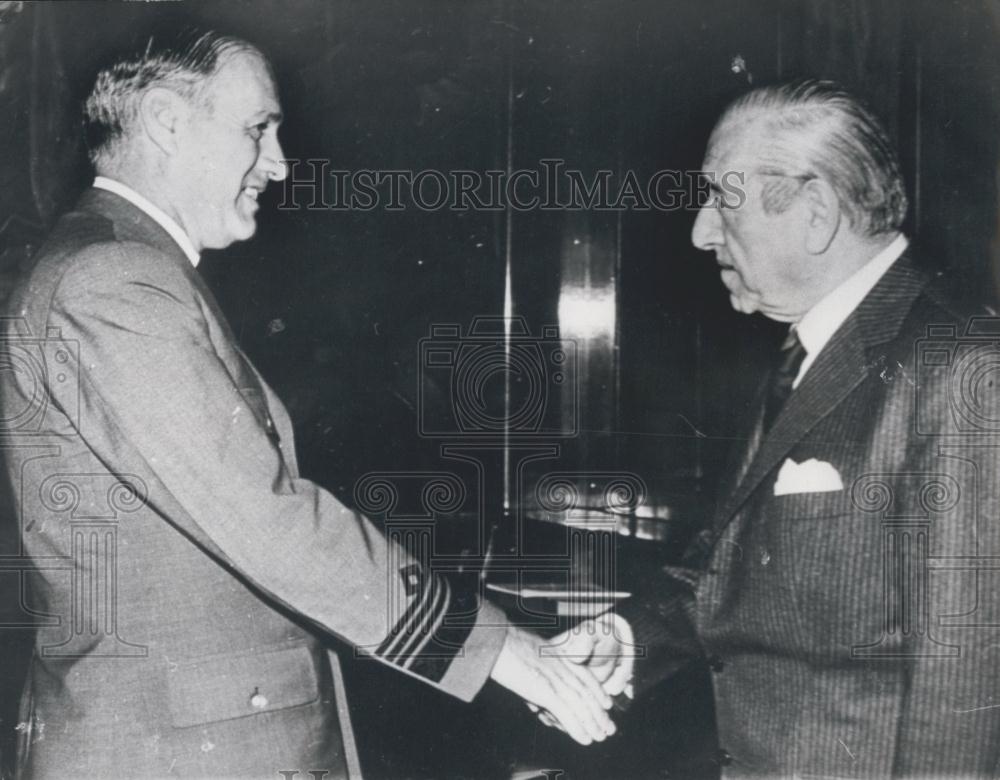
(856, 632)
(185, 571)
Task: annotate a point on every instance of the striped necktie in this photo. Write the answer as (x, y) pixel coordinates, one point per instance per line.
(792, 355)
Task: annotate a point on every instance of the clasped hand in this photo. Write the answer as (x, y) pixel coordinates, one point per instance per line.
(569, 680)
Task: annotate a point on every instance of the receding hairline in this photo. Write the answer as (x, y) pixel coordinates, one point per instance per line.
(205, 95)
(187, 64)
(778, 144)
(229, 57)
(816, 129)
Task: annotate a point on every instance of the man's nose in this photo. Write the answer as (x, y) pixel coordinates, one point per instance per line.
(705, 234)
(272, 159)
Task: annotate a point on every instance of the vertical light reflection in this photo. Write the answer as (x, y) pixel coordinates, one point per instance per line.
(588, 317)
(587, 301)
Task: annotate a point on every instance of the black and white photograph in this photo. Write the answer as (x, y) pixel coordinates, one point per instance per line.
(500, 389)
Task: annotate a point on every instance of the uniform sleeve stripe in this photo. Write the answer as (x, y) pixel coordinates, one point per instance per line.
(419, 639)
(413, 617)
(425, 640)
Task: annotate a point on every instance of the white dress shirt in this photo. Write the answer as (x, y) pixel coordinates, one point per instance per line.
(159, 215)
(819, 324)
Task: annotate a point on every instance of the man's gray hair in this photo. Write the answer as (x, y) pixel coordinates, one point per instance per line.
(183, 63)
(837, 139)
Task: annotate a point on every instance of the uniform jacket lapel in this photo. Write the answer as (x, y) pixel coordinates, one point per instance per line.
(841, 366)
(133, 224)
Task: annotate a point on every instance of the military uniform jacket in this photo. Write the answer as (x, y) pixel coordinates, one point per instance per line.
(185, 572)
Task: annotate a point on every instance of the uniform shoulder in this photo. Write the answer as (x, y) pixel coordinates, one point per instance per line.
(84, 258)
(91, 239)
(119, 262)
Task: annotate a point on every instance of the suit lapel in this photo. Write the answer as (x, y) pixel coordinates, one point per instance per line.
(841, 366)
(745, 445)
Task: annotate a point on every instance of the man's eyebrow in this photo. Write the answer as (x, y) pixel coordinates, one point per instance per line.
(274, 117)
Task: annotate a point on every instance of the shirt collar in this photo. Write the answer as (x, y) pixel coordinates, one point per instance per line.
(156, 213)
(819, 324)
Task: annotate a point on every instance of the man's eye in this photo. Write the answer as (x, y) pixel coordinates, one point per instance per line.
(725, 201)
(257, 131)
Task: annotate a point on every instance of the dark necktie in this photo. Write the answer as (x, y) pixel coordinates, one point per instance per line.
(792, 355)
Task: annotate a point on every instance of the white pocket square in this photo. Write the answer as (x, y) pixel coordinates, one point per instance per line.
(810, 476)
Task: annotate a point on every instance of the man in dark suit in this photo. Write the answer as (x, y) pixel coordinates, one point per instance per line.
(844, 596)
(186, 574)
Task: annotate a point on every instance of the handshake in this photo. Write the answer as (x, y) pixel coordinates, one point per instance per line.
(570, 681)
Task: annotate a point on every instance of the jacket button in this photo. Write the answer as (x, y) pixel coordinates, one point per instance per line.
(716, 664)
(258, 701)
(724, 758)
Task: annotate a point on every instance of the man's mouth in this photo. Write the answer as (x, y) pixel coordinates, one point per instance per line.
(729, 274)
(251, 192)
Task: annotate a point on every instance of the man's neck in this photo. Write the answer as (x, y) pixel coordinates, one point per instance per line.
(843, 260)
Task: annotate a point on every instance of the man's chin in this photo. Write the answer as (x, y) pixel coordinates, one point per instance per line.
(242, 230)
(743, 304)
(230, 239)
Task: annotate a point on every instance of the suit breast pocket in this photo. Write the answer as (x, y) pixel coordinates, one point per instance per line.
(830, 556)
(207, 690)
(805, 507)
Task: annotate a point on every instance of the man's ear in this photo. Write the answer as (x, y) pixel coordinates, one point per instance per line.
(823, 214)
(161, 112)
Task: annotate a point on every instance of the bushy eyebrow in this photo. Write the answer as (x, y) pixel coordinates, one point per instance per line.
(273, 117)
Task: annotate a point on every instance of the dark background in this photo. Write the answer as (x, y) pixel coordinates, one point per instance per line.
(332, 304)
